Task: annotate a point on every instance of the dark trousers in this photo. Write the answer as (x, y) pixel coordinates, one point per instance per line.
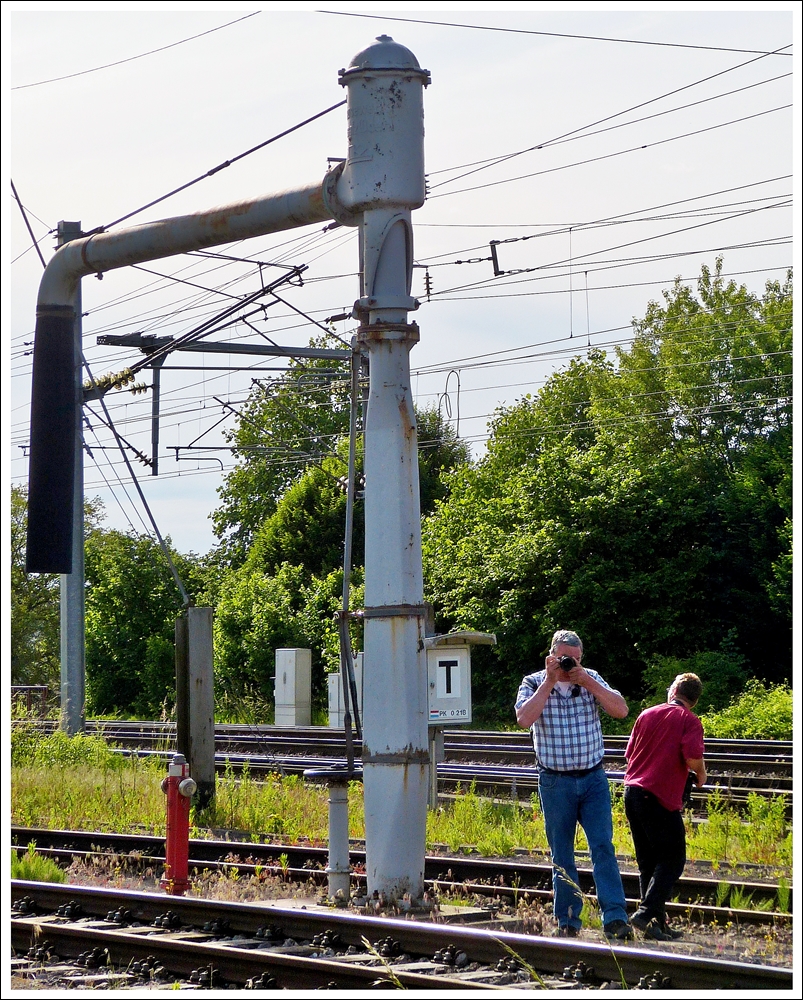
(659, 839)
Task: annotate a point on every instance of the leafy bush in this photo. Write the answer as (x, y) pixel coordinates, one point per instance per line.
(723, 672)
(759, 712)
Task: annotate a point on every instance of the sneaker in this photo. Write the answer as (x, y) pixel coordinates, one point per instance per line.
(654, 929)
(650, 927)
(566, 931)
(618, 930)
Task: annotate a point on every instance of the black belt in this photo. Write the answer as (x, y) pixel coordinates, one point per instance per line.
(572, 774)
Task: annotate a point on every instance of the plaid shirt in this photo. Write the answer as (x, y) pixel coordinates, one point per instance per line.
(567, 735)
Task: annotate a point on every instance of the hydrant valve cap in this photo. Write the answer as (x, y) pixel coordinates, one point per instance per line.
(187, 788)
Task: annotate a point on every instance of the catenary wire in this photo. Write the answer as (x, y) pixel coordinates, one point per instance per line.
(219, 167)
(601, 121)
(552, 34)
(608, 156)
(583, 134)
(142, 55)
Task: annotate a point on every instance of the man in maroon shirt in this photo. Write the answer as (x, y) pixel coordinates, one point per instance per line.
(666, 743)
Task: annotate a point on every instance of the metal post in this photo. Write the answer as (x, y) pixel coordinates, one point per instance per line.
(155, 401)
(338, 870)
(395, 752)
(383, 178)
(71, 585)
(195, 702)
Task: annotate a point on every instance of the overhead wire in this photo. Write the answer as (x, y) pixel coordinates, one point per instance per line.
(349, 236)
(600, 121)
(142, 55)
(550, 272)
(217, 169)
(493, 360)
(166, 552)
(582, 133)
(27, 222)
(120, 482)
(546, 272)
(609, 156)
(559, 229)
(553, 34)
(595, 288)
(564, 428)
(618, 246)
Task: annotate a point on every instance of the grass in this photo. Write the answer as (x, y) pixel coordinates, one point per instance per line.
(495, 829)
(60, 782)
(759, 836)
(32, 867)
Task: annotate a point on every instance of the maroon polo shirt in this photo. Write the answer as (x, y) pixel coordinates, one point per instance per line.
(663, 739)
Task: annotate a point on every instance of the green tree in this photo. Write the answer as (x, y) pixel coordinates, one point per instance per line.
(644, 503)
(261, 612)
(283, 583)
(287, 427)
(35, 602)
(440, 451)
(34, 609)
(307, 528)
(286, 424)
(132, 603)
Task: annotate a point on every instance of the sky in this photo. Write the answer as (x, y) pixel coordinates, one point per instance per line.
(626, 165)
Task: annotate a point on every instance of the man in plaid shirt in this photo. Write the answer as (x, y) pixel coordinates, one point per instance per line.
(561, 706)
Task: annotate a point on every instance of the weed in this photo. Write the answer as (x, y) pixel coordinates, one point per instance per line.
(496, 829)
(784, 895)
(533, 973)
(100, 790)
(32, 867)
(740, 900)
(30, 746)
(759, 712)
(392, 977)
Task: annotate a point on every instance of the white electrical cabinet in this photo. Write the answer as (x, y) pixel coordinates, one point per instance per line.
(336, 707)
(293, 687)
(449, 675)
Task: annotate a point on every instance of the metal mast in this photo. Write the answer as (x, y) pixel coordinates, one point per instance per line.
(383, 178)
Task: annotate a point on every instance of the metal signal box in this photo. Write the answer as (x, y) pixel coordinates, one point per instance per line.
(449, 675)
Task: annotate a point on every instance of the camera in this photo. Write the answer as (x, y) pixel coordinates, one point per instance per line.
(567, 663)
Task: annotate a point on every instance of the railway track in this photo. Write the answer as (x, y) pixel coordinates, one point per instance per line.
(494, 763)
(495, 880)
(203, 942)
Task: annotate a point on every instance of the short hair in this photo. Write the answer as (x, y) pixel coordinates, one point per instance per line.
(688, 686)
(567, 638)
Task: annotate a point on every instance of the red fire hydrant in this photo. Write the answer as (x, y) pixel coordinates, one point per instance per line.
(179, 788)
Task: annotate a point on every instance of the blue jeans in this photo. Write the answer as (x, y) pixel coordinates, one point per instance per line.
(567, 801)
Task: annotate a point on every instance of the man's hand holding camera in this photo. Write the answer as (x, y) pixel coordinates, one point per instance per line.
(564, 665)
(566, 668)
